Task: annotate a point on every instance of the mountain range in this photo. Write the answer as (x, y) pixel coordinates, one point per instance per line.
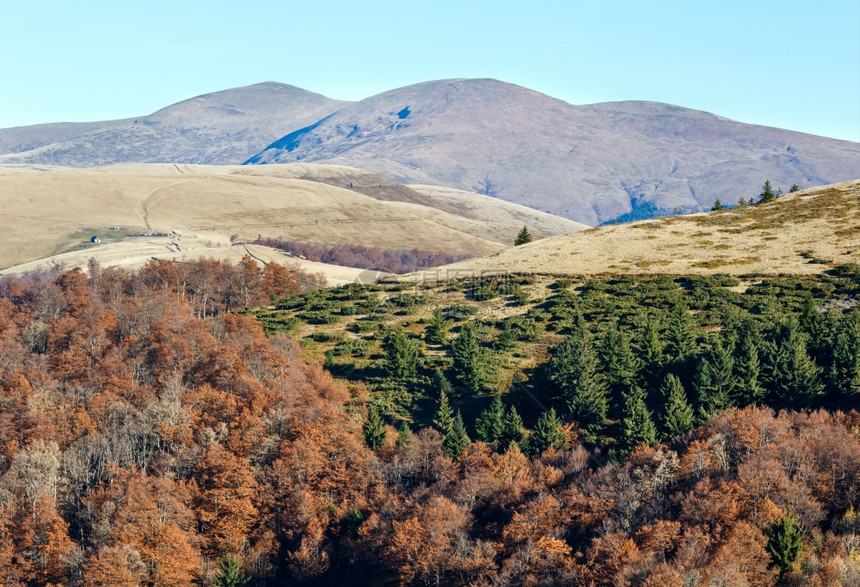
(591, 163)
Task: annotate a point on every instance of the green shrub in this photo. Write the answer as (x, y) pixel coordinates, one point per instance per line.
(459, 312)
(362, 326)
(847, 270)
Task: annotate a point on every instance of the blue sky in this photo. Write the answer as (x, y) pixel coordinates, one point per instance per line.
(784, 63)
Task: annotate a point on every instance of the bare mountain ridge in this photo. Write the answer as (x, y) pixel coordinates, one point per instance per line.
(592, 163)
(589, 163)
(218, 128)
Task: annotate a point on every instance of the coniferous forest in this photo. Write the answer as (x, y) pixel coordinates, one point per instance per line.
(203, 424)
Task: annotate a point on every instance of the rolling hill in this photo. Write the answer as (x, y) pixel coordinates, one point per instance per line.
(141, 211)
(803, 233)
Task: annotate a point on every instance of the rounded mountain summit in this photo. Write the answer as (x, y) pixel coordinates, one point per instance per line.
(589, 163)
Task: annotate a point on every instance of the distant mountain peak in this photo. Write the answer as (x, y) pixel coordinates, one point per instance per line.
(221, 127)
(590, 163)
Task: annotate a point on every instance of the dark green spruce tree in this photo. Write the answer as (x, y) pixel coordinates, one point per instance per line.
(230, 572)
(715, 381)
(749, 390)
(471, 366)
(820, 330)
(678, 417)
(767, 194)
(637, 426)
(785, 542)
(437, 329)
(845, 366)
(404, 434)
(444, 420)
(681, 346)
(507, 338)
(458, 440)
(450, 427)
(523, 237)
(789, 373)
(574, 372)
(491, 422)
(648, 347)
(619, 363)
(374, 428)
(401, 356)
(512, 429)
(547, 433)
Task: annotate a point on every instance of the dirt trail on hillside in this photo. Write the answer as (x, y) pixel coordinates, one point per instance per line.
(147, 205)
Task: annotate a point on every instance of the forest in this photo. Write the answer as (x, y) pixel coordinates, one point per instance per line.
(157, 429)
(388, 260)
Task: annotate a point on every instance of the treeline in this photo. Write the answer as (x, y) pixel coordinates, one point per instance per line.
(143, 444)
(388, 260)
(209, 286)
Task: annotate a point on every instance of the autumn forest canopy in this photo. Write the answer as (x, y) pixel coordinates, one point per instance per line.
(166, 425)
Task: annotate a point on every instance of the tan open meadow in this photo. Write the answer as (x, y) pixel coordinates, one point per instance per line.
(806, 232)
(165, 211)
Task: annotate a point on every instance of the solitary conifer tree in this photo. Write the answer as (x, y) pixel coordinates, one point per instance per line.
(575, 373)
(230, 572)
(523, 237)
(678, 414)
(491, 422)
(637, 426)
(767, 194)
(471, 369)
(374, 428)
(512, 429)
(436, 332)
(457, 441)
(444, 420)
(785, 541)
(547, 433)
(401, 356)
(748, 366)
(404, 434)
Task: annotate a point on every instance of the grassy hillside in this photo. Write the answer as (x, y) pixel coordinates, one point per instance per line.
(203, 210)
(802, 233)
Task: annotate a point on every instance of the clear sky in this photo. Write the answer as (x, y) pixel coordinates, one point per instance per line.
(785, 63)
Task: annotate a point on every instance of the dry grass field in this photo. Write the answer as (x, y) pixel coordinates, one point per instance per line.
(803, 233)
(145, 211)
